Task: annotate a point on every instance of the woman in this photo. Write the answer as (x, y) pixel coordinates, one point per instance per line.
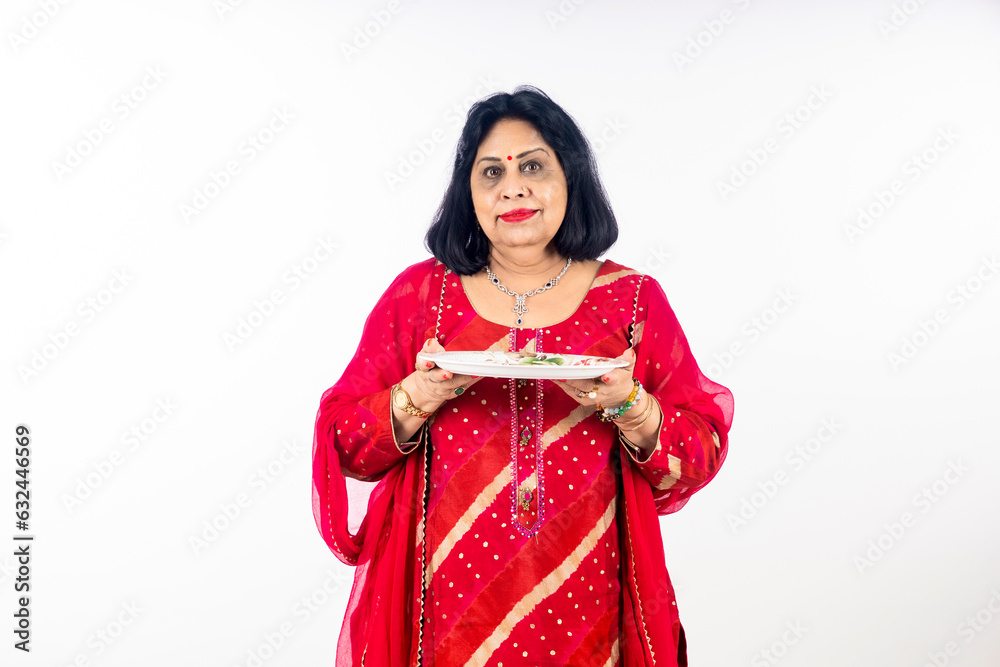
(515, 521)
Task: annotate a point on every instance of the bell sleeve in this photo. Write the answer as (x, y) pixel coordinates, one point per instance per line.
(697, 413)
(354, 422)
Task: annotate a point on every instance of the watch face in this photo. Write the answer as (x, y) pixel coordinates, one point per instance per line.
(399, 398)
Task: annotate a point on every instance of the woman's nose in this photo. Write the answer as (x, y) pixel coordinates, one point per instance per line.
(513, 186)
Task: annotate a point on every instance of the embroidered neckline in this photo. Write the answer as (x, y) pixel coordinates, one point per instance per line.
(533, 503)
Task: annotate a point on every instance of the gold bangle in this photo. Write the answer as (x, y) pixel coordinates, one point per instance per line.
(639, 425)
(644, 416)
(643, 412)
(401, 399)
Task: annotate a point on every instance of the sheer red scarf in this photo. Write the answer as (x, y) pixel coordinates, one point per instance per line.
(382, 619)
(382, 622)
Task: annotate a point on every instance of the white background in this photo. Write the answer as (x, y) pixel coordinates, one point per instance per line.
(668, 131)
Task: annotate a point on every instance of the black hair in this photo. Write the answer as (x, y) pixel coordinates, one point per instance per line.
(589, 227)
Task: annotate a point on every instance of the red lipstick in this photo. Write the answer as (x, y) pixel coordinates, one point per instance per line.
(518, 214)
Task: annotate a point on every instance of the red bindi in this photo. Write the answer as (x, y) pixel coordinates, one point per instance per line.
(509, 157)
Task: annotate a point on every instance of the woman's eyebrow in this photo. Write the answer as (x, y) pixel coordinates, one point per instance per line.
(518, 156)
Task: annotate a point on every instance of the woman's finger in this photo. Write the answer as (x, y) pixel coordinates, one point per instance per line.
(461, 383)
(568, 388)
(431, 346)
(453, 380)
(574, 391)
(618, 375)
(629, 356)
(566, 385)
(445, 382)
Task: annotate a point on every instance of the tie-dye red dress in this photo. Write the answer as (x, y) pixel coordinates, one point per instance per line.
(513, 494)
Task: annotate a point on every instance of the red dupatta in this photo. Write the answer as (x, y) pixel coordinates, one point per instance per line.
(382, 622)
(653, 631)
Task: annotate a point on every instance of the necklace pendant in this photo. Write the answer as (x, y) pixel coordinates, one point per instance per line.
(519, 307)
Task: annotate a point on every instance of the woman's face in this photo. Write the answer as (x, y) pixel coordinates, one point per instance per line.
(515, 170)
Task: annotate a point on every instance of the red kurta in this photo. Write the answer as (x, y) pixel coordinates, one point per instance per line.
(537, 546)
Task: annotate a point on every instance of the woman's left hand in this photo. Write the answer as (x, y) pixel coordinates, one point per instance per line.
(612, 389)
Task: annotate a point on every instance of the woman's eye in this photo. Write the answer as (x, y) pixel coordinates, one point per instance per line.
(531, 167)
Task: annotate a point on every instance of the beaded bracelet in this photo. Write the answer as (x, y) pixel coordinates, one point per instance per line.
(610, 414)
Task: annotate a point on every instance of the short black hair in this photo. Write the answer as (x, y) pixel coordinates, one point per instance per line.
(589, 227)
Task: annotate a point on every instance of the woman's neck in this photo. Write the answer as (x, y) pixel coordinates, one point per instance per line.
(520, 268)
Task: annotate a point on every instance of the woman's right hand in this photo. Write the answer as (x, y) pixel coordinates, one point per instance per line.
(433, 384)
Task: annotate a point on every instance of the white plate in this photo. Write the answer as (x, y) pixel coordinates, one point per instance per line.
(506, 365)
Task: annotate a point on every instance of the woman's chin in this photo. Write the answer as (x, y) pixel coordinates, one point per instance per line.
(522, 237)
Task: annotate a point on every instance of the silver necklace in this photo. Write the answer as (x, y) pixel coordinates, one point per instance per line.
(519, 306)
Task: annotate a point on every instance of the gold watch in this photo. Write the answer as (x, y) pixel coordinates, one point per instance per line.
(401, 400)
